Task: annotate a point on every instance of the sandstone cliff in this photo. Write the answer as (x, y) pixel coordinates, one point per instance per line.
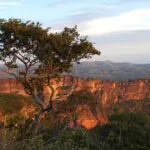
(105, 92)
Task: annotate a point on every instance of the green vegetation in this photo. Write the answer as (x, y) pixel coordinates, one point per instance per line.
(36, 56)
(77, 98)
(27, 47)
(66, 87)
(124, 130)
(13, 103)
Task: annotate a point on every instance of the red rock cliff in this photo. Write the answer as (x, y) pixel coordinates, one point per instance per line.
(109, 92)
(106, 92)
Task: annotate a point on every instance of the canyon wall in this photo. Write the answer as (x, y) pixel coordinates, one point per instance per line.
(106, 93)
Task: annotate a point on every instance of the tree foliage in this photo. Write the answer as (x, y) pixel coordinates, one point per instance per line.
(13, 103)
(36, 56)
(124, 131)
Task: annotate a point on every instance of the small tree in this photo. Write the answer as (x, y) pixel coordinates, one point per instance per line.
(35, 56)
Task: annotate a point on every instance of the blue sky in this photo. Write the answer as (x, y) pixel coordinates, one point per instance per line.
(120, 28)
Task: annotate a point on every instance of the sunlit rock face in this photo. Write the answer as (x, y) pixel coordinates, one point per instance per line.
(89, 119)
(111, 92)
(85, 117)
(27, 111)
(11, 86)
(106, 93)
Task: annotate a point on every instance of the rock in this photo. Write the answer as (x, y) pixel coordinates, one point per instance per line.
(106, 93)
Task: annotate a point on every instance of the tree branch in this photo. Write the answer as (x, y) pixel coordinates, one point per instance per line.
(11, 73)
(21, 59)
(39, 100)
(67, 95)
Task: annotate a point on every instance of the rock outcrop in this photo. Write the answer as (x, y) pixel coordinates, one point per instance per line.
(106, 93)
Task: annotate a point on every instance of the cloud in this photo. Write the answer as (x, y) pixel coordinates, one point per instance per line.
(58, 3)
(126, 38)
(138, 19)
(143, 1)
(105, 6)
(131, 46)
(132, 58)
(9, 3)
(130, 2)
(82, 16)
(119, 35)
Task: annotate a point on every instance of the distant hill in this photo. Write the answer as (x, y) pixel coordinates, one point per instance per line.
(107, 70)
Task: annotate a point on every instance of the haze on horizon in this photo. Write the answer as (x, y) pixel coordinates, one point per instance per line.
(120, 29)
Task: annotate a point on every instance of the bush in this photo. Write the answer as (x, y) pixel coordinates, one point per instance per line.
(125, 131)
(13, 103)
(77, 98)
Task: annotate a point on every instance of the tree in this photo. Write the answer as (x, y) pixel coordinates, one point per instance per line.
(124, 131)
(35, 56)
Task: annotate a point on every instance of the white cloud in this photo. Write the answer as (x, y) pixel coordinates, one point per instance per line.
(9, 3)
(105, 6)
(138, 19)
(80, 12)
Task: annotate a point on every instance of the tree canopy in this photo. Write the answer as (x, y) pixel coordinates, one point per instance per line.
(35, 55)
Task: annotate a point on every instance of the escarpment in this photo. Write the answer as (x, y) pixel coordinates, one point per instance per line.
(106, 94)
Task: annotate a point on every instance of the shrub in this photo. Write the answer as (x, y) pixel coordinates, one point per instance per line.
(125, 131)
(13, 103)
(77, 98)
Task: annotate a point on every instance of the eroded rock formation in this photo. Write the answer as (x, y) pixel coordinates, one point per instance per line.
(106, 93)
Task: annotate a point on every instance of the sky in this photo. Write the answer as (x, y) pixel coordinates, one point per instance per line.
(120, 29)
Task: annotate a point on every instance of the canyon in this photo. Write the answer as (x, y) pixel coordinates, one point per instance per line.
(106, 94)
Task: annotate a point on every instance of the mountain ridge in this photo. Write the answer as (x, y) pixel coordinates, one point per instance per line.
(106, 70)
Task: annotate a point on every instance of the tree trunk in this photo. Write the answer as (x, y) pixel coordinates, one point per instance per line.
(36, 124)
(33, 128)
